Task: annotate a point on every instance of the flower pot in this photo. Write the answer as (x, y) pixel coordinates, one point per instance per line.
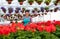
(45, 13)
(9, 2)
(57, 1)
(42, 13)
(47, 10)
(55, 4)
(47, 3)
(30, 3)
(51, 10)
(55, 10)
(21, 3)
(39, 3)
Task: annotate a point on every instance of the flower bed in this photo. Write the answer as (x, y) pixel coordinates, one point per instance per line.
(40, 30)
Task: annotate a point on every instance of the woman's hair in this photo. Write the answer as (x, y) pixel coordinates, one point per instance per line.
(27, 11)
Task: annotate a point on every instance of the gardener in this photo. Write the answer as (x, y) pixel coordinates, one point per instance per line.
(26, 18)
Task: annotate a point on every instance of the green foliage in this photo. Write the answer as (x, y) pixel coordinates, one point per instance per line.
(47, 1)
(46, 8)
(20, 0)
(39, 0)
(30, 1)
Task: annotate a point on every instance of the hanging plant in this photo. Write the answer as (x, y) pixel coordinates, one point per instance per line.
(55, 3)
(23, 10)
(47, 9)
(21, 2)
(9, 1)
(42, 14)
(55, 10)
(39, 1)
(47, 2)
(30, 2)
(45, 13)
(51, 10)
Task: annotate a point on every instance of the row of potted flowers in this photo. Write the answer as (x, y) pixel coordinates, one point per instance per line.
(40, 30)
(32, 1)
(33, 27)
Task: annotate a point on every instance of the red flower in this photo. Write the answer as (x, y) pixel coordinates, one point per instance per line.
(33, 25)
(33, 30)
(47, 28)
(50, 28)
(5, 30)
(27, 28)
(40, 23)
(53, 28)
(20, 26)
(56, 23)
(40, 28)
(13, 24)
(13, 29)
(48, 23)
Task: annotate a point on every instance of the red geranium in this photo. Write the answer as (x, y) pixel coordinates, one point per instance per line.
(20, 26)
(33, 25)
(47, 28)
(48, 23)
(13, 29)
(50, 28)
(27, 28)
(56, 23)
(13, 24)
(40, 28)
(5, 30)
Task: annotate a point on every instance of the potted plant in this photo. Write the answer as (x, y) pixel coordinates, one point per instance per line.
(30, 2)
(47, 2)
(45, 13)
(47, 9)
(55, 10)
(39, 1)
(9, 1)
(23, 10)
(55, 3)
(21, 2)
(51, 10)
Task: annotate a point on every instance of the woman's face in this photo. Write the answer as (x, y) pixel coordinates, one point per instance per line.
(27, 14)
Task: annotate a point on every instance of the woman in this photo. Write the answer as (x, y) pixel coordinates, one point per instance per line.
(26, 18)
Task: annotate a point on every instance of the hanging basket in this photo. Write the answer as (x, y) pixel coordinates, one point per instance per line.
(9, 1)
(39, 1)
(47, 9)
(47, 2)
(55, 3)
(30, 2)
(21, 3)
(51, 10)
(55, 10)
